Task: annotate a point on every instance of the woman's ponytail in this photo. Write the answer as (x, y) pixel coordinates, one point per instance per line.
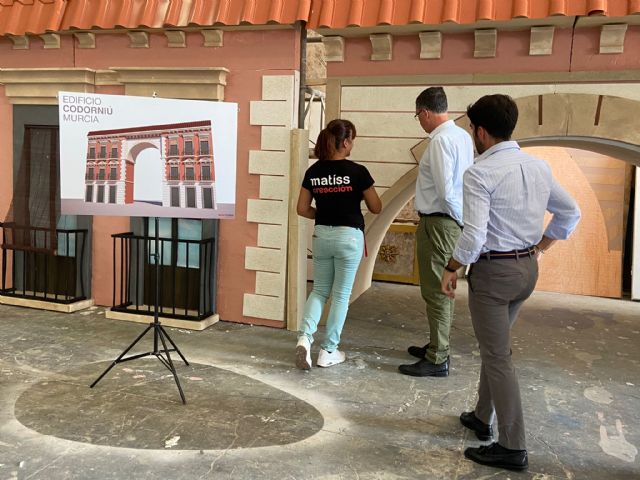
(332, 136)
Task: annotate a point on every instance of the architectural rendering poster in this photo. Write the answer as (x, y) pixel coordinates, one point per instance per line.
(147, 157)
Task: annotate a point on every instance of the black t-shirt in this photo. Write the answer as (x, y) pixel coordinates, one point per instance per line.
(337, 186)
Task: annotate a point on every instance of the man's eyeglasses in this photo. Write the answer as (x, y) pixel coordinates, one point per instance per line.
(417, 115)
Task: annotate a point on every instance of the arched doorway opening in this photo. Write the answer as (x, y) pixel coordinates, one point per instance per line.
(147, 185)
(587, 122)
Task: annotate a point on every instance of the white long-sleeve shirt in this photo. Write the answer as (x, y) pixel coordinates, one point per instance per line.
(439, 183)
(506, 194)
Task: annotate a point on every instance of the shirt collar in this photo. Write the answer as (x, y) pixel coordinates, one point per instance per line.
(440, 128)
(506, 145)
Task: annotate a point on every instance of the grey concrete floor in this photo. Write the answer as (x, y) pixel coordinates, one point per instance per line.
(251, 415)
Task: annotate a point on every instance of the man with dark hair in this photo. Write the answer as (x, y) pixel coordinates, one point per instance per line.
(439, 204)
(506, 195)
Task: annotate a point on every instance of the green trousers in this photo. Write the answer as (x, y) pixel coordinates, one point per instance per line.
(436, 238)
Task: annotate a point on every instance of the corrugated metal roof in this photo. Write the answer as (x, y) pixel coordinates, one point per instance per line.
(20, 17)
(369, 13)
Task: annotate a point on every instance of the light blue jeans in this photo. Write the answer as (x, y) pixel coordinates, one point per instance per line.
(337, 252)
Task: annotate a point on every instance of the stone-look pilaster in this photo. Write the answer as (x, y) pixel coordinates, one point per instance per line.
(276, 114)
(612, 38)
(333, 49)
(381, 46)
(430, 45)
(297, 238)
(485, 43)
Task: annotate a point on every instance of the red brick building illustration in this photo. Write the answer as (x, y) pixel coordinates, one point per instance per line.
(186, 150)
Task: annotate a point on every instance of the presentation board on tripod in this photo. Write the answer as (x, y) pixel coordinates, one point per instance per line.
(147, 157)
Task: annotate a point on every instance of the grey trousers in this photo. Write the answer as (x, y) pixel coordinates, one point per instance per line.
(497, 290)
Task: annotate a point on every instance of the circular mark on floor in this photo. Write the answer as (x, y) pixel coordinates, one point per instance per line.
(137, 405)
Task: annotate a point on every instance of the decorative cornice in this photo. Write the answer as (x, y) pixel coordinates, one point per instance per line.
(381, 46)
(612, 38)
(51, 40)
(86, 39)
(485, 43)
(333, 49)
(176, 38)
(20, 42)
(541, 42)
(138, 39)
(213, 38)
(40, 86)
(205, 83)
(430, 45)
(107, 77)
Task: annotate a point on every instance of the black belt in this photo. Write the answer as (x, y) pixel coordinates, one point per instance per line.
(435, 214)
(492, 254)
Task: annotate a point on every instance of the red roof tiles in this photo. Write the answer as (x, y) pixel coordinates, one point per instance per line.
(20, 17)
(370, 13)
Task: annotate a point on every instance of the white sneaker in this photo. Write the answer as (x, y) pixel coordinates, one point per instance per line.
(326, 359)
(303, 353)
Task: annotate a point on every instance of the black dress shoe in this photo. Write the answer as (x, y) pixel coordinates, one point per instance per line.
(424, 368)
(418, 352)
(483, 431)
(495, 455)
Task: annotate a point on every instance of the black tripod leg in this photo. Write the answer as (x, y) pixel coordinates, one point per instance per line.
(117, 360)
(173, 345)
(172, 368)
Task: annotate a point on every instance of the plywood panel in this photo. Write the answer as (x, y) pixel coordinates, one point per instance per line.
(385, 124)
(402, 98)
(262, 306)
(585, 264)
(386, 174)
(388, 150)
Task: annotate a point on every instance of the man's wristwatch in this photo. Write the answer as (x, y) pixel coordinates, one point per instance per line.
(449, 269)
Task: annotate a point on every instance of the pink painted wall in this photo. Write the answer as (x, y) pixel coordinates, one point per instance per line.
(278, 55)
(512, 55)
(37, 56)
(586, 46)
(457, 56)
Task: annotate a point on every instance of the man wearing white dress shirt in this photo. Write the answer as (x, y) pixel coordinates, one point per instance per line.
(439, 204)
(506, 195)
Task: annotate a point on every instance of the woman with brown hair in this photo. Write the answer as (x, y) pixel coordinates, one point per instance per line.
(338, 186)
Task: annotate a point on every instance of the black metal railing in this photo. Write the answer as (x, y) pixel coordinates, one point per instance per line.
(37, 272)
(185, 276)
